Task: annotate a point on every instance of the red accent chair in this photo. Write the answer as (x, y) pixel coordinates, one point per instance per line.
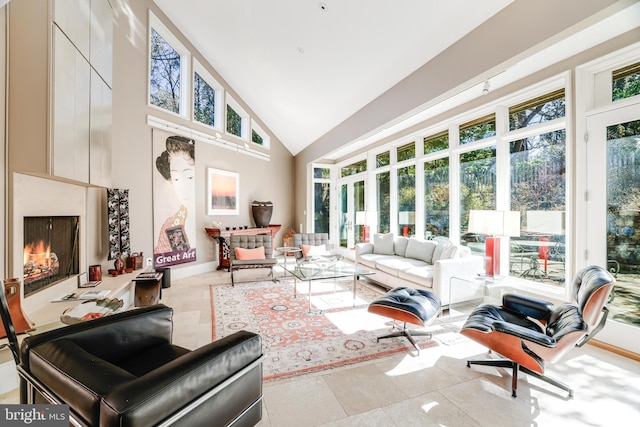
(530, 333)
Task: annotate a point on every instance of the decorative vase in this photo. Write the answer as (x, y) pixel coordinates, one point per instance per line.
(262, 212)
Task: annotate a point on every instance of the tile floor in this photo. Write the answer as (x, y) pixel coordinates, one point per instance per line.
(433, 389)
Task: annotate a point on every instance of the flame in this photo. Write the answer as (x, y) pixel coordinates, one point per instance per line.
(39, 253)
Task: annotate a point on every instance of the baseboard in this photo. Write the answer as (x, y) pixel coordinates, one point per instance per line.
(616, 350)
(182, 272)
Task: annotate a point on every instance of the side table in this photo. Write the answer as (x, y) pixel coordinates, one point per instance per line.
(147, 289)
(285, 250)
(467, 292)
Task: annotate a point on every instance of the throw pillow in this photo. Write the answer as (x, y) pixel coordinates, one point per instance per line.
(421, 249)
(383, 244)
(243, 254)
(456, 251)
(310, 250)
(400, 245)
(440, 248)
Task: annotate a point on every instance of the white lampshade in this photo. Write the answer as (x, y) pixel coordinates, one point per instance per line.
(494, 223)
(546, 222)
(407, 217)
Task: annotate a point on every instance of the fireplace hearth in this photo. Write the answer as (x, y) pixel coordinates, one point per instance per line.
(50, 251)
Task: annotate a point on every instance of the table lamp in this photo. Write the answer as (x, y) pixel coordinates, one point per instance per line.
(494, 224)
(362, 219)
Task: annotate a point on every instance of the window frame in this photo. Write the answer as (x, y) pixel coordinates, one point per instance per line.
(266, 139)
(185, 61)
(197, 67)
(244, 118)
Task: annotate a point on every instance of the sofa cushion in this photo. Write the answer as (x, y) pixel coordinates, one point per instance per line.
(455, 251)
(370, 260)
(400, 245)
(311, 250)
(70, 372)
(422, 275)
(439, 250)
(383, 244)
(420, 249)
(394, 264)
(243, 254)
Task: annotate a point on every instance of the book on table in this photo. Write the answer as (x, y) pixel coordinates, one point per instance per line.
(86, 295)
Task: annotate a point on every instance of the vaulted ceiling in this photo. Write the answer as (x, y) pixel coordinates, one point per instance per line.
(304, 66)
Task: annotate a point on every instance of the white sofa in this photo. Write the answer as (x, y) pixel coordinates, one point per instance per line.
(423, 264)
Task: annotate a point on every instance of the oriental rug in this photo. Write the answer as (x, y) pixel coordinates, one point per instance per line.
(336, 332)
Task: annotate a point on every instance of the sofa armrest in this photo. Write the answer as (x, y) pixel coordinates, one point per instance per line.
(111, 337)
(445, 269)
(363, 248)
(164, 391)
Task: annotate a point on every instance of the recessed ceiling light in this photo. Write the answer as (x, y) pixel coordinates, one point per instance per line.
(300, 49)
(323, 7)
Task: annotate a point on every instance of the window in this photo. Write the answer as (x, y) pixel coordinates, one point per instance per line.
(406, 152)
(207, 96)
(407, 201)
(477, 183)
(436, 142)
(259, 136)
(321, 199)
(626, 82)
(538, 110)
(538, 191)
(383, 201)
(436, 198)
(168, 62)
(383, 159)
(484, 127)
(237, 119)
(354, 168)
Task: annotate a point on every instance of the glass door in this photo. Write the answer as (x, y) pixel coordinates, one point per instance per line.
(352, 193)
(612, 216)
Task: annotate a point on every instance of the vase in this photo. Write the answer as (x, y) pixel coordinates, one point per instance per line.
(262, 212)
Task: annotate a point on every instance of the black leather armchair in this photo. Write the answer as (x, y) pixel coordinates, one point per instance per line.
(123, 370)
(530, 333)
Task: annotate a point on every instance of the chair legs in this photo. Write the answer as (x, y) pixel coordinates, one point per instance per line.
(506, 363)
(404, 332)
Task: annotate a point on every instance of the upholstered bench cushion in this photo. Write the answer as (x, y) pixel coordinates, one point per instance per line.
(416, 306)
(237, 263)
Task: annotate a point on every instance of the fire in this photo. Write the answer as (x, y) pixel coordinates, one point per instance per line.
(39, 253)
(39, 262)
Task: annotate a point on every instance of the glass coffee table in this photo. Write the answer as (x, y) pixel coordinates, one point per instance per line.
(323, 269)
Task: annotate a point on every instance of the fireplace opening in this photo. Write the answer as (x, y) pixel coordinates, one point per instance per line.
(50, 251)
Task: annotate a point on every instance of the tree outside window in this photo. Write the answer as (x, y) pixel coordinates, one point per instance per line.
(165, 74)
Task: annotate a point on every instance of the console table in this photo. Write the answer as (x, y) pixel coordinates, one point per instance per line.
(222, 238)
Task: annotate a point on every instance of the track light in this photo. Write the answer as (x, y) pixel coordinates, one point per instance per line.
(485, 87)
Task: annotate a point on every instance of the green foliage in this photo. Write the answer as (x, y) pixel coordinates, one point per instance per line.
(204, 97)
(234, 122)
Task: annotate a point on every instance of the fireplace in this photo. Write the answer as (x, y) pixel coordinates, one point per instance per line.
(51, 250)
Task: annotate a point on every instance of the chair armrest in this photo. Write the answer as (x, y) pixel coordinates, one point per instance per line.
(111, 337)
(530, 307)
(524, 333)
(162, 392)
(363, 248)
(445, 269)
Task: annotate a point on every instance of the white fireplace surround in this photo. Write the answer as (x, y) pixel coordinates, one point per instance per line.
(35, 196)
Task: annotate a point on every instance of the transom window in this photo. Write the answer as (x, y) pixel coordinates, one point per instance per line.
(383, 159)
(207, 96)
(237, 119)
(484, 127)
(436, 142)
(406, 152)
(259, 136)
(168, 69)
(626, 82)
(538, 110)
(353, 168)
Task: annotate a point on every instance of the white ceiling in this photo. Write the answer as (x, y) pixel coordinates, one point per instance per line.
(304, 69)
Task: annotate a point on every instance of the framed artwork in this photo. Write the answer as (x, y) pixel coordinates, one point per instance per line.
(222, 192)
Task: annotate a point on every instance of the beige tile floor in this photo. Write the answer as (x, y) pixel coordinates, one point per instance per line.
(433, 389)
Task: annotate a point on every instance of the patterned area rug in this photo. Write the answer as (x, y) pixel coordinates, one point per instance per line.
(337, 331)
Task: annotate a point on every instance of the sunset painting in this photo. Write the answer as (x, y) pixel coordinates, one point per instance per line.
(222, 192)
